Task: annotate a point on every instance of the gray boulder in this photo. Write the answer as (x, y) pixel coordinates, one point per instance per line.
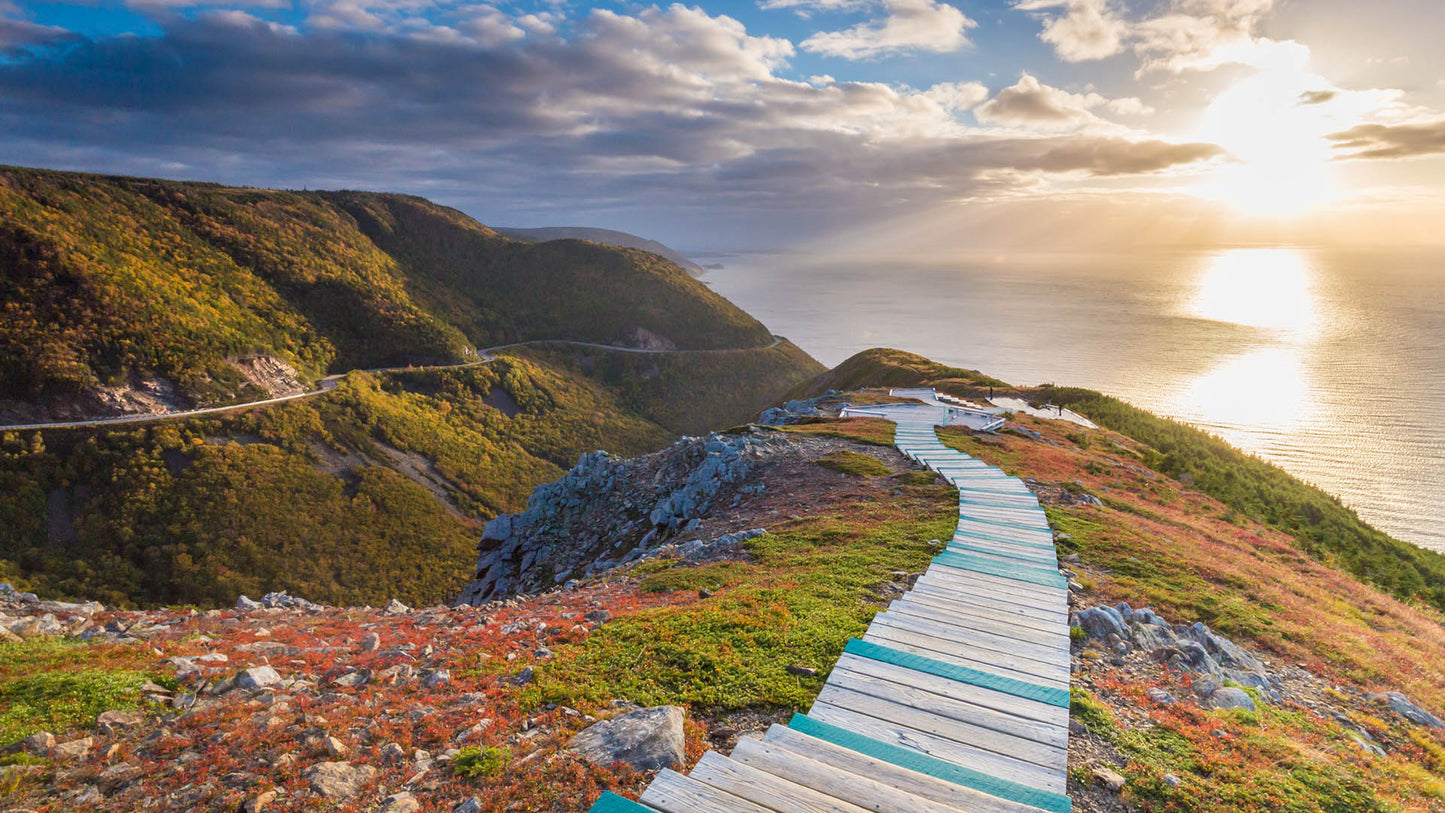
(338, 780)
(646, 739)
(1401, 705)
(1230, 698)
(256, 677)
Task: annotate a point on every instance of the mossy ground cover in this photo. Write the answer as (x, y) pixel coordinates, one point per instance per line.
(53, 685)
(856, 464)
(808, 587)
(865, 430)
(1272, 759)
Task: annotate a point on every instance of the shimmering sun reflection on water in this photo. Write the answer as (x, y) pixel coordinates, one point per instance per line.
(1264, 388)
(1257, 287)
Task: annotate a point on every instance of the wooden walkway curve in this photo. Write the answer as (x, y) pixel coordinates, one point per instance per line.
(956, 700)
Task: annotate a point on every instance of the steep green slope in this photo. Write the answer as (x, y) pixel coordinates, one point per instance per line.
(1322, 526)
(690, 393)
(118, 281)
(373, 491)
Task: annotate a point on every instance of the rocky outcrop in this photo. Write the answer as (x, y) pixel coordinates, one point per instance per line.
(606, 507)
(1192, 648)
(793, 411)
(646, 739)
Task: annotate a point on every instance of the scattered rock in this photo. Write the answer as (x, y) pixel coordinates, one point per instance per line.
(472, 805)
(37, 744)
(1162, 697)
(1170, 779)
(114, 722)
(256, 677)
(432, 678)
(258, 803)
(74, 751)
(395, 607)
(338, 780)
(1401, 705)
(647, 739)
(1230, 698)
(1110, 778)
(402, 802)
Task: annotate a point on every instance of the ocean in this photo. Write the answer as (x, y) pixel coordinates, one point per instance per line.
(1328, 363)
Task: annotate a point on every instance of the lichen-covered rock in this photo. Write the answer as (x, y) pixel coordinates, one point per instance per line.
(1230, 698)
(338, 780)
(257, 677)
(646, 739)
(606, 508)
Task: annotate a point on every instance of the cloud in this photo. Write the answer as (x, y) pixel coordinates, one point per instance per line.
(670, 113)
(910, 25)
(1391, 141)
(1171, 35)
(1088, 29)
(1317, 96)
(1030, 103)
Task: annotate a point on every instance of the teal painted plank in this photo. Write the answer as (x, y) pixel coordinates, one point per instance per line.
(1047, 578)
(610, 802)
(932, 766)
(918, 663)
(1015, 556)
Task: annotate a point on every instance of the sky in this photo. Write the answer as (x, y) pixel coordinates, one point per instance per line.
(852, 125)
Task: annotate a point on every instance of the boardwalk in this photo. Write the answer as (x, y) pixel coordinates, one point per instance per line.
(956, 700)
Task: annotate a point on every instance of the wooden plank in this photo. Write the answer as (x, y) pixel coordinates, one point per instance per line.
(872, 782)
(1040, 535)
(801, 767)
(968, 756)
(902, 629)
(967, 639)
(1005, 553)
(982, 619)
(1003, 702)
(955, 601)
(969, 535)
(973, 586)
(1001, 585)
(981, 659)
(1029, 740)
(916, 760)
(1031, 575)
(671, 792)
(766, 789)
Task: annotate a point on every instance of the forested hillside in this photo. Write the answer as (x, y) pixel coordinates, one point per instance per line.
(373, 491)
(114, 287)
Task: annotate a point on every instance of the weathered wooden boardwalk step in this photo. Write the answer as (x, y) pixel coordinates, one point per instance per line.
(956, 699)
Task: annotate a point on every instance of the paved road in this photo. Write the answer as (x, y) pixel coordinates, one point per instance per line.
(330, 382)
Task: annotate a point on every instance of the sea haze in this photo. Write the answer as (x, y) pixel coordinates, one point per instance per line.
(1329, 363)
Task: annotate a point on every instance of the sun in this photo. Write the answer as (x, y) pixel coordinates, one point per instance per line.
(1274, 124)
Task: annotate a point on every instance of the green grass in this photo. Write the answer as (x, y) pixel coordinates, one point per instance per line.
(808, 589)
(855, 463)
(52, 685)
(1324, 527)
(485, 762)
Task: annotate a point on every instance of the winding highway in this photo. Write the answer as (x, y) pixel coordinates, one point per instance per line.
(330, 383)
